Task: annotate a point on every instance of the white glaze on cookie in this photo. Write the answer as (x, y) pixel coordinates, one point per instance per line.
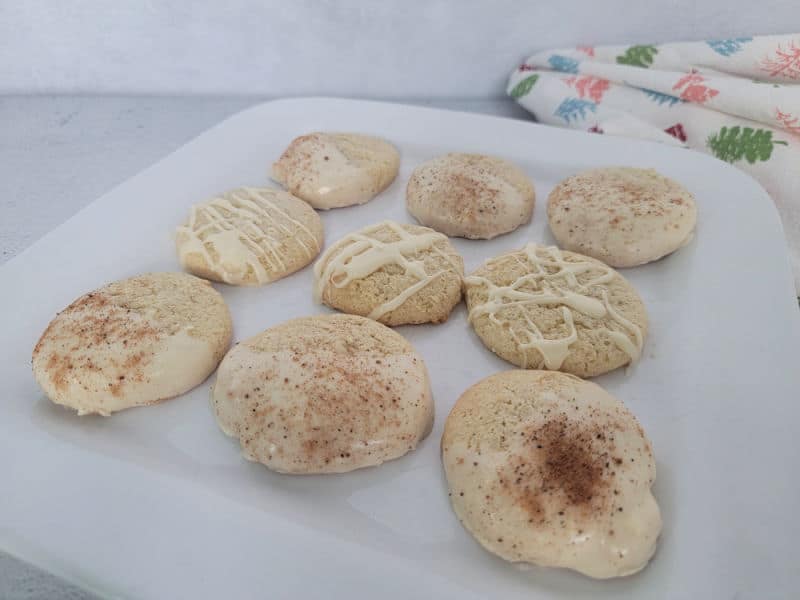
(622, 216)
(470, 195)
(545, 468)
(332, 170)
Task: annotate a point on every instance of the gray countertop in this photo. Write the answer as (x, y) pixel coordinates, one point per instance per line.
(59, 153)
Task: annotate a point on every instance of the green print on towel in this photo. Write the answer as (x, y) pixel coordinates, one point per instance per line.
(638, 56)
(523, 87)
(736, 143)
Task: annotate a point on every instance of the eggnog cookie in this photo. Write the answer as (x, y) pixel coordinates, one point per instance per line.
(324, 394)
(331, 170)
(470, 195)
(249, 236)
(133, 342)
(394, 273)
(622, 216)
(541, 307)
(548, 469)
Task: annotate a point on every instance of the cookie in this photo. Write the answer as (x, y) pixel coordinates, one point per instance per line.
(332, 170)
(394, 273)
(547, 469)
(622, 216)
(133, 342)
(470, 195)
(324, 394)
(249, 236)
(541, 307)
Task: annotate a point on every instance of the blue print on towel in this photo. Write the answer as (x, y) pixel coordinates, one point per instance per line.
(574, 109)
(563, 63)
(729, 46)
(662, 99)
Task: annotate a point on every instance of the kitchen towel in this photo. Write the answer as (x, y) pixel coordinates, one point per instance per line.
(737, 99)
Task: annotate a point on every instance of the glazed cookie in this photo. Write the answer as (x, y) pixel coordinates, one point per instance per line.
(470, 195)
(324, 394)
(249, 236)
(133, 342)
(394, 273)
(547, 469)
(331, 170)
(622, 216)
(541, 307)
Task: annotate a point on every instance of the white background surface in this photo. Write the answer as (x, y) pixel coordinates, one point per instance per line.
(722, 536)
(394, 48)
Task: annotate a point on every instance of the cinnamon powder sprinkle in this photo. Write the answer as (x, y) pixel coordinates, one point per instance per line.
(566, 461)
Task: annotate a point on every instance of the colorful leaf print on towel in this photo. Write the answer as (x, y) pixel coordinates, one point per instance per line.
(523, 87)
(736, 98)
(638, 56)
(788, 121)
(662, 99)
(783, 63)
(563, 63)
(692, 88)
(735, 143)
(728, 47)
(677, 131)
(573, 109)
(589, 86)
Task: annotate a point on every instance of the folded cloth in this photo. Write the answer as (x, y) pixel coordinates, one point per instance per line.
(737, 99)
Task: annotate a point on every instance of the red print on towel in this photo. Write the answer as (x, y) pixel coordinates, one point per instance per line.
(788, 121)
(524, 67)
(692, 89)
(677, 131)
(587, 50)
(588, 87)
(784, 63)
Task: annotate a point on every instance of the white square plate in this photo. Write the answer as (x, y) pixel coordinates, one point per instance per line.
(156, 503)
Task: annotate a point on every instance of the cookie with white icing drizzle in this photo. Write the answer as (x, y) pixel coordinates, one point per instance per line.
(545, 308)
(249, 236)
(395, 273)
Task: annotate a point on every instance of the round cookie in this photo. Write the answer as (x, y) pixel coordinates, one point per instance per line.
(622, 216)
(249, 236)
(395, 273)
(332, 170)
(133, 342)
(324, 394)
(541, 307)
(470, 195)
(548, 469)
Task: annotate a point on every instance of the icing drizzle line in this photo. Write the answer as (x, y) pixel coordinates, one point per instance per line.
(548, 289)
(359, 254)
(254, 242)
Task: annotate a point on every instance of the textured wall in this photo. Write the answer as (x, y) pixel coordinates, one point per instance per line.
(397, 48)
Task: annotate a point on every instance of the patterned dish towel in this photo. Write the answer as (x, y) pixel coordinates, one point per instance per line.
(737, 99)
